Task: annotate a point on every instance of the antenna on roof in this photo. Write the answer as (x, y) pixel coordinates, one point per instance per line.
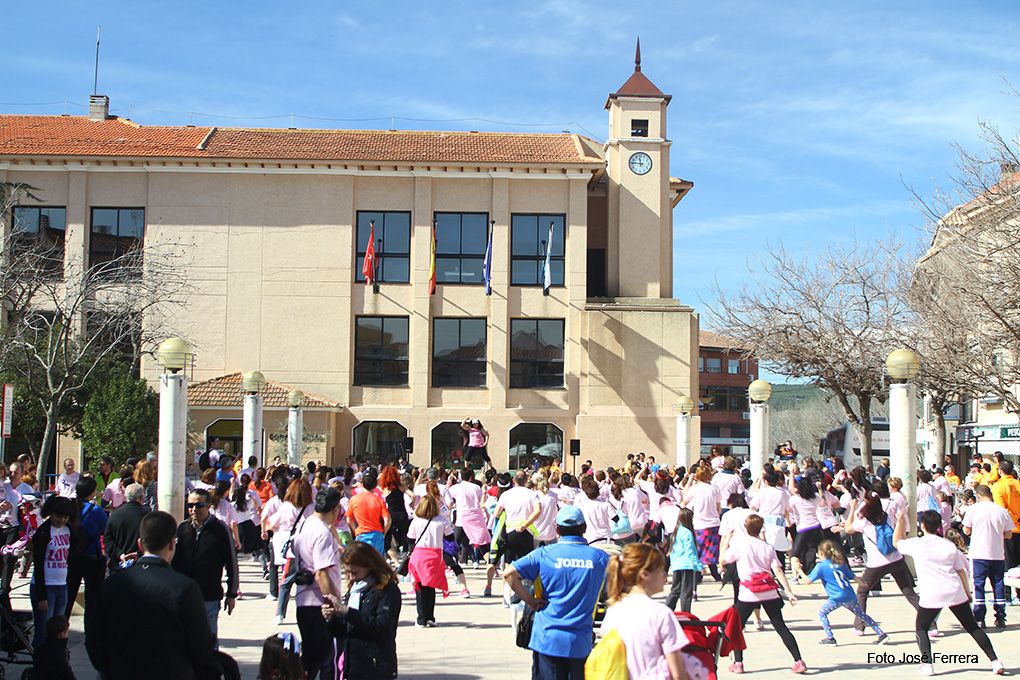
(95, 80)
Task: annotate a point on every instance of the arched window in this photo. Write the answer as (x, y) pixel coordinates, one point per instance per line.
(529, 441)
(379, 441)
(447, 444)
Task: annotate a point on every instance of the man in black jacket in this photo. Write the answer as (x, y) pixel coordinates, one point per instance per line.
(121, 539)
(119, 647)
(205, 549)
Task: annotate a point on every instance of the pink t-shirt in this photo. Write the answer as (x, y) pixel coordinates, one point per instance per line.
(113, 494)
(727, 484)
(518, 502)
(875, 558)
(897, 504)
(703, 500)
(988, 522)
(467, 496)
(316, 545)
(476, 437)
(596, 517)
(924, 492)
(804, 513)
(545, 523)
(752, 555)
(771, 500)
(732, 521)
(634, 507)
(936, 561)
(434, 532)
(649, 631)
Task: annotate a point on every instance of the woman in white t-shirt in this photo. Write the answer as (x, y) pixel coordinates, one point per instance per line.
(943, 582)
(545, 523)
(731, 529)
(805, 510)
(223, 510)
(757, 562)
(703, 498)
(426, 566)
(872, 517)
(647, 627)
(598, 514)
(51, 545)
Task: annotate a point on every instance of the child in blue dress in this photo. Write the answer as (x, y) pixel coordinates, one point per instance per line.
(831, 569)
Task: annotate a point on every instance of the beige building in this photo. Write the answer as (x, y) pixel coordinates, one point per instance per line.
(272, 226)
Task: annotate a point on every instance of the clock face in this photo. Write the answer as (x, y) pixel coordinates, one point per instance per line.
(640, 163)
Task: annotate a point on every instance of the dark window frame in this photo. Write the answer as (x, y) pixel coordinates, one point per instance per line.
(371, 378)
(458, 363)
(381, 254)
(539, 258)
(460, 256)
(117, 252)
(536, 368)
(708, 367)
(24, 244)
(639, 127)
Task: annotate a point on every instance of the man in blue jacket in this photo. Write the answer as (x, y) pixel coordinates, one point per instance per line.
(572, 574)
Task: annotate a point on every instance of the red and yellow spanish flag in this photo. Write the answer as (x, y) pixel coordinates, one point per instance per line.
(432, 261)
(368, 266)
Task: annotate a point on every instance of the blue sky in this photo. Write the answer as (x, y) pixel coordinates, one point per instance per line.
(797, 121)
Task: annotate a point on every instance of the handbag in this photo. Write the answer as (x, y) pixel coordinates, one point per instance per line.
(761, 582)
(294, 575)
(527, 620)
(405, 563)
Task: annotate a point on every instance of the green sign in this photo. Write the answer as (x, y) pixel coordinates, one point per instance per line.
(1012, 432)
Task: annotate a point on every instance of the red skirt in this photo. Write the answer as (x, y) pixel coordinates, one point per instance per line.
(427, 568)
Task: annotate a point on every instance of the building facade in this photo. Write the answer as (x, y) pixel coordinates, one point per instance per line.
(724, 373)
(273, 226)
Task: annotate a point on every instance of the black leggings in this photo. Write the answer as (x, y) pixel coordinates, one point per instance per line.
(805, 547)
(963, 614)
(774, 609)
(425, 600)
(452, 564)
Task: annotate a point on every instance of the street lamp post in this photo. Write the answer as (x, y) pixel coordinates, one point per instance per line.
(902, 365)
(252, 384)
(174, 356)
(295, 427)
(683, 407)
(759, 393)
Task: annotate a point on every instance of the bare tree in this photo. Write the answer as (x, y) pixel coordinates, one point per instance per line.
(832, 318)
(64, 321)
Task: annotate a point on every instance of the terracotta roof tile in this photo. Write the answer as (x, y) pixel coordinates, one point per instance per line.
(79, 136)
(716, 341)
(225, 392)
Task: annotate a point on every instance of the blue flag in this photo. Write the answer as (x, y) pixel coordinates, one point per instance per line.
(487, 266)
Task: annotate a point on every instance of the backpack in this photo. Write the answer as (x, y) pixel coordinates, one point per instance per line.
(608, 660)
(933, 504)
(884, 538)
(203, 461)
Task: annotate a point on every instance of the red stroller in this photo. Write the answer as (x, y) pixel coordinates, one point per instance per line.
(708, 640)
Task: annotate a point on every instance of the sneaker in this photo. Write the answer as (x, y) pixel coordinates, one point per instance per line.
(935, 632)
(859, 633)
(278, 620)
(271, 597)
(980, 623)
(759, 625)
(737, 667)
(926, 669)
(998, 668)
(882, 638)
(799, 667)
(465, 593)
(431, 623)
(487, 592)
(419, 625)
(827, 641)
(1000, 623)
(1013, 603)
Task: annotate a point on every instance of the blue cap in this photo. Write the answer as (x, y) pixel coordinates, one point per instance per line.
(569, 516)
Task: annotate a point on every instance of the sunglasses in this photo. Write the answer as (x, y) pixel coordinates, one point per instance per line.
(198, 506)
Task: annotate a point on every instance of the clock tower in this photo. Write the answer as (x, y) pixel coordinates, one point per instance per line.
(639, 244)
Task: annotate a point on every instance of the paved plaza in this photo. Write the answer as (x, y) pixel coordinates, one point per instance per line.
(474, 640)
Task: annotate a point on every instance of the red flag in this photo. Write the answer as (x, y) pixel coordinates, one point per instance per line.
(368, 268)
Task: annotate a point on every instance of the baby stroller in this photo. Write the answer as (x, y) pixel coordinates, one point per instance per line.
(15, 626)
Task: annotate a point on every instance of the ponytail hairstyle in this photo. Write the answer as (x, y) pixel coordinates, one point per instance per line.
(626, 568)
(241, 493)
(827, 550)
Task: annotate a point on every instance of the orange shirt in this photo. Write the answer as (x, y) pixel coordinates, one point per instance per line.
(368, 511)
(1006, 492)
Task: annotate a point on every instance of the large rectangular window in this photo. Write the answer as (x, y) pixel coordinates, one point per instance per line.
(536, 352)
(724, 398)
(713, 365)
(380, 350)
(114, 232)
(528, 236)
(39, 232)
(460, 246)
(733, 366)
(458, 352)
(392, 245)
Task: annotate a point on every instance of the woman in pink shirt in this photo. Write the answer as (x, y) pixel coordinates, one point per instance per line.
(704, 499)
(648, 628)
(805, 511)
(772, 502)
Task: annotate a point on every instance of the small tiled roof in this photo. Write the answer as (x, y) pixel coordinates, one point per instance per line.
(638, 85)
(225, 392)
(716, 341)
(118, 137)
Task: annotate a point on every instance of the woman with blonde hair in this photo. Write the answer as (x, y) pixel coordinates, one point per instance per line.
(145, 474)
(648, 628)
(427, 567)
(545, 523)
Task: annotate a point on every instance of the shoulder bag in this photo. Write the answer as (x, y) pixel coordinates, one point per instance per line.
(296, 576)
(404, 565)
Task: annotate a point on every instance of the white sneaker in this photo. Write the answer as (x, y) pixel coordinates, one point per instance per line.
(271, 597)
(926, 669)
(278, 620)
(998, 668)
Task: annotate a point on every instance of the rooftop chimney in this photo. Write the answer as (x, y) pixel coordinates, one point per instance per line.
(99, 107)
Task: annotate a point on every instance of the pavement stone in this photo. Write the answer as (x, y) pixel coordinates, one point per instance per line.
(474, 640)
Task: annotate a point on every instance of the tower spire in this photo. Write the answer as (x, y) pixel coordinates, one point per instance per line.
(637, 56)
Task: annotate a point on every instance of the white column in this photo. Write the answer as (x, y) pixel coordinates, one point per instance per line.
(251, 443)
(759, 437)
(173, 420)
(683, 439)
(903, 442)
(295, 429)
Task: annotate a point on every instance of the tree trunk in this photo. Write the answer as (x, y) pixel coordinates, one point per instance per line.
(48, 443)
(938, 408)
(864, 431)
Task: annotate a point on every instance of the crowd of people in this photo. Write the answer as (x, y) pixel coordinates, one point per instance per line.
(339, 541)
